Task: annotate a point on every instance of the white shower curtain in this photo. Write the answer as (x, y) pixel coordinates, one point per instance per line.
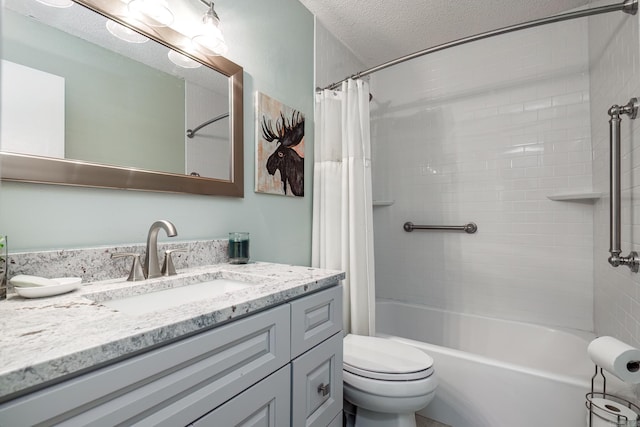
(342, 204)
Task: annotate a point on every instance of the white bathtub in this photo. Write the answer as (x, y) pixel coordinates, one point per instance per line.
(495, 373)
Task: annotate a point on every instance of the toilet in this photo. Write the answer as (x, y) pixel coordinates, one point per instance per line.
(386, 381)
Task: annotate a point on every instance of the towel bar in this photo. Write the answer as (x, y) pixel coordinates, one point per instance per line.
(467, 228)
(615, 259)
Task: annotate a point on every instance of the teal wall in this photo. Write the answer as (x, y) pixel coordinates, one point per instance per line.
(273, 41)
(101, 89)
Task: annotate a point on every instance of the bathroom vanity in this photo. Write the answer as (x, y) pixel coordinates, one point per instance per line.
(269, 353)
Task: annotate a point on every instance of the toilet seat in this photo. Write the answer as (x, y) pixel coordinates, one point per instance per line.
(387, 381)
(408, 376)
(380, 359)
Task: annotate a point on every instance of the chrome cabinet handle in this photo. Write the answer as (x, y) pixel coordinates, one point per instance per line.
(324, 389)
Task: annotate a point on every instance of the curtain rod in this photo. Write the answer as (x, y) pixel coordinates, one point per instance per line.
(628, 6)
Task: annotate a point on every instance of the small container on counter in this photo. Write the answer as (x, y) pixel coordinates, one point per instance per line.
(238, 247)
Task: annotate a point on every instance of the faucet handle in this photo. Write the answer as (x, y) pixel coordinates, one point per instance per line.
(168, 269)
(136, 273)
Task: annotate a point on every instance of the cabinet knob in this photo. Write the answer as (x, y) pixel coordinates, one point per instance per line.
(324, 389)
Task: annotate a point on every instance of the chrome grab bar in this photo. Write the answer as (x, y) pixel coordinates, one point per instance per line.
(467, 228)
(632, 260)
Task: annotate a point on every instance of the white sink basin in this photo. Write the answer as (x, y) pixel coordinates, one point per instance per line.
(167, 298)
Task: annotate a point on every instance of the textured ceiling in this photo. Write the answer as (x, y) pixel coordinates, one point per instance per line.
(381, 30)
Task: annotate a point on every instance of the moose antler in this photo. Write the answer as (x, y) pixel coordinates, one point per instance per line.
(288, 133)
(267, 131)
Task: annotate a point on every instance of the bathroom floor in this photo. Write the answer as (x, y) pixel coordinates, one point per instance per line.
(427, 422)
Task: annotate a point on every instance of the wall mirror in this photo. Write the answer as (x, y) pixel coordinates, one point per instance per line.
(81, 106)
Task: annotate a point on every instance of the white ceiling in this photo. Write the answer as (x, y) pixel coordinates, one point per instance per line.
(381, 30)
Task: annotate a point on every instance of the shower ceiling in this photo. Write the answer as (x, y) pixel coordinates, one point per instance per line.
(381, 30)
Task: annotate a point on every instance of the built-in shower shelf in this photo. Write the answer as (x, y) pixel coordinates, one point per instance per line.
(383, 202)
(578, 196)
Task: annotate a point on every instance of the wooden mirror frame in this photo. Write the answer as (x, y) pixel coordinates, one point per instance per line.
(35, 169)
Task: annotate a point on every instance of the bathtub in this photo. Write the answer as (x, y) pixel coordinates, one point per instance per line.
(495, 373)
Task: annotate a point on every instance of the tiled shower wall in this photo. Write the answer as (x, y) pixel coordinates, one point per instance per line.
(614, 50)
(484, 133)
(333, 60)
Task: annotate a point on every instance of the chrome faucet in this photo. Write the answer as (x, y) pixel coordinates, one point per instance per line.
(151, 263)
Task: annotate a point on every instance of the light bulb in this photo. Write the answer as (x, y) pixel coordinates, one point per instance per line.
(182, 60)
(211, 44)
(210, 39)
(124, 33)
(152, 12)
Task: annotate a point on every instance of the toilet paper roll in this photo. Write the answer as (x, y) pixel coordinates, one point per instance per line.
(610, 413)
(617, 358)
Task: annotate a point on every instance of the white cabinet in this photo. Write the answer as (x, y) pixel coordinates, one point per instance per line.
(170, 386)
(245, 373)
(266, 404)
(315, 318)
(337, 421)
(316, 384)
(316, 349)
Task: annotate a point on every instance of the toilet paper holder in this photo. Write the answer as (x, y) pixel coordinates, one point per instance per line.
(599, 410)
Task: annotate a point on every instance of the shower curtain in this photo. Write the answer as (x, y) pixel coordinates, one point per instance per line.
(342, 201)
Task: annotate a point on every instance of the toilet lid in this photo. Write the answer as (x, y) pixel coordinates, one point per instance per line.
(381, 358)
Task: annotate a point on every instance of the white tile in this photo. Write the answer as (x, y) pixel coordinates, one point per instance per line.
(522, 133)
(618, 59)
(538, 104)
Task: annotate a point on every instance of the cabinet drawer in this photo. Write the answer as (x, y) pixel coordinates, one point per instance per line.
(265, 404)
(337, 421)
(317, 384)
(315, 318)
(170, 386)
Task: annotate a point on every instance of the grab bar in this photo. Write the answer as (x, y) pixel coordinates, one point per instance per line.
(467, 228)
(632, 260)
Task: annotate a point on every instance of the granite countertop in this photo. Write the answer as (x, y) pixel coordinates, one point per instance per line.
(46, 339)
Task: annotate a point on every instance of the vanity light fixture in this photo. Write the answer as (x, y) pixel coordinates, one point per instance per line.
(155, 13)
(210, 39)
(124, 33)
(56, 3)
(181, 60)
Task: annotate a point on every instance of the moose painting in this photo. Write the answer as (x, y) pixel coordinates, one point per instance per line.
(279, 148)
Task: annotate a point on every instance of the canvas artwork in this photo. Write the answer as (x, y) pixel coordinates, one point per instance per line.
(279, 148)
